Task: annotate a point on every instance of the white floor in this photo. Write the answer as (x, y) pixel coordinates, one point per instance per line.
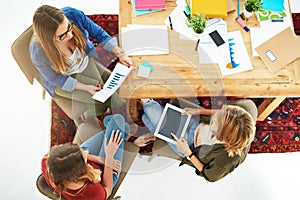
(25, 122)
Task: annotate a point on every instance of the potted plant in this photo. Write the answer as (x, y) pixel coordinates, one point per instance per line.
(197, 22)
(251, 6)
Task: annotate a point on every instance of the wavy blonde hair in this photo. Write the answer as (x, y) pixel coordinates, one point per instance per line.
(46, 20)
(66, 164)
(235, 127)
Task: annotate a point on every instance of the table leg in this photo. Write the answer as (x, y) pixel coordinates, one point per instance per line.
(267, 107)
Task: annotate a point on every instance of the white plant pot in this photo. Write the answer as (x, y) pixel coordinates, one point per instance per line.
(247, 14)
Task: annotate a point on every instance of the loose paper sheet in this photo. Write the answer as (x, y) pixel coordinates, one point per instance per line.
(240, 60)
(113, 83)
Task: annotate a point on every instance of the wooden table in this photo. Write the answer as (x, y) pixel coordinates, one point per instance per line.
(179, 73)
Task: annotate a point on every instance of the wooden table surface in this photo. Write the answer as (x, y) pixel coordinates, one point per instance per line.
(179, 73)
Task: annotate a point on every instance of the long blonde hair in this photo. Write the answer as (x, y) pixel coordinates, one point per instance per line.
(46, 20)
(235, 127)
(66, 164)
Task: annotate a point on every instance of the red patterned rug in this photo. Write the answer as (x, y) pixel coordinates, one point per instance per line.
(279, 133)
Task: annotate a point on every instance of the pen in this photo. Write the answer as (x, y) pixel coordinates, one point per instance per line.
(188, 16)
(241, 23)
(196, 48)
(242, 16)
(277, 20)
(171, 26)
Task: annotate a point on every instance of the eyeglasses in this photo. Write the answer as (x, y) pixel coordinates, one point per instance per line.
(64, 35)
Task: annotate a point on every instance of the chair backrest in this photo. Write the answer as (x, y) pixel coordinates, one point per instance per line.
(43, 187)
(21, 53)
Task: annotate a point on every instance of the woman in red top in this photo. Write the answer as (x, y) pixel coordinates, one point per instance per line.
(77, 174)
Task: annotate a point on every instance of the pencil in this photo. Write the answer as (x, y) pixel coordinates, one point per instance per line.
(196, 48)
(171, 26)
(238, 15)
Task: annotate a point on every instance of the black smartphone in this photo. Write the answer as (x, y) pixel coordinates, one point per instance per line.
(216, 37)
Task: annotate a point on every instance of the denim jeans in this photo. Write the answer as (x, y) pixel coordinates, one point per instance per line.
(95, 144)
(151, 117)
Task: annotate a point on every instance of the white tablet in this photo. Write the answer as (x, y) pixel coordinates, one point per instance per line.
(172, 121)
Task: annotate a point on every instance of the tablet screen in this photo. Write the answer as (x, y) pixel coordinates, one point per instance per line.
(172, 121)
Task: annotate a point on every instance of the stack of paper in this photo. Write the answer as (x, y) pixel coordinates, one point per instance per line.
(145, 39)
(208, 51)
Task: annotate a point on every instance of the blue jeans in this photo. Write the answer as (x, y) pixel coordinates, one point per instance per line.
(151, 117)
(95, 144)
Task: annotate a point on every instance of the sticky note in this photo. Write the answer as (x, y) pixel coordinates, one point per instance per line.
(144, 71)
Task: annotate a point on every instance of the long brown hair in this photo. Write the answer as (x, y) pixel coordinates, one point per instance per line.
(66, 164)
(46, 20)
(235, 127)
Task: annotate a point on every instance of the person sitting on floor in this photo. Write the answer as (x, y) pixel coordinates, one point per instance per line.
(90, 170)
(213, 149)
(65, 58)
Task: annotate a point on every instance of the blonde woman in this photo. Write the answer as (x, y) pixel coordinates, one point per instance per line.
(64, 57)
(91, 170)
(213, 149)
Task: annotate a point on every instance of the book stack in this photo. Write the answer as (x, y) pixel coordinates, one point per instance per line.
(148, 6)
(211, 9)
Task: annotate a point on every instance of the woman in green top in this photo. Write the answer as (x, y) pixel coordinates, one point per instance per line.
(213, 149)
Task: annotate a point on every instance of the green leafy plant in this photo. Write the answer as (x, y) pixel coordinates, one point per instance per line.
(197, 22)
(253, 5)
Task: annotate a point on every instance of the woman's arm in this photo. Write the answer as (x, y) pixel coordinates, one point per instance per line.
(101, 160)
(123, 58)
(196, 162)
(96, 159)
(110, 150)
(90, 28)
(199, 111)
(183, 147)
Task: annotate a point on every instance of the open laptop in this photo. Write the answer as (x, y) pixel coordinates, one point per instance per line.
(172, 121)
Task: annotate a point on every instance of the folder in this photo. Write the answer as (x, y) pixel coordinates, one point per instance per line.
(150, 4)
(280, 50)
(211, 8)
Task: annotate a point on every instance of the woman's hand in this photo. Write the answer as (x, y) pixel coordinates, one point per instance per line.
(116, 166)
(125, 60)
(182, 145)
(92, 89)
(113, 144)
(143, 140)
